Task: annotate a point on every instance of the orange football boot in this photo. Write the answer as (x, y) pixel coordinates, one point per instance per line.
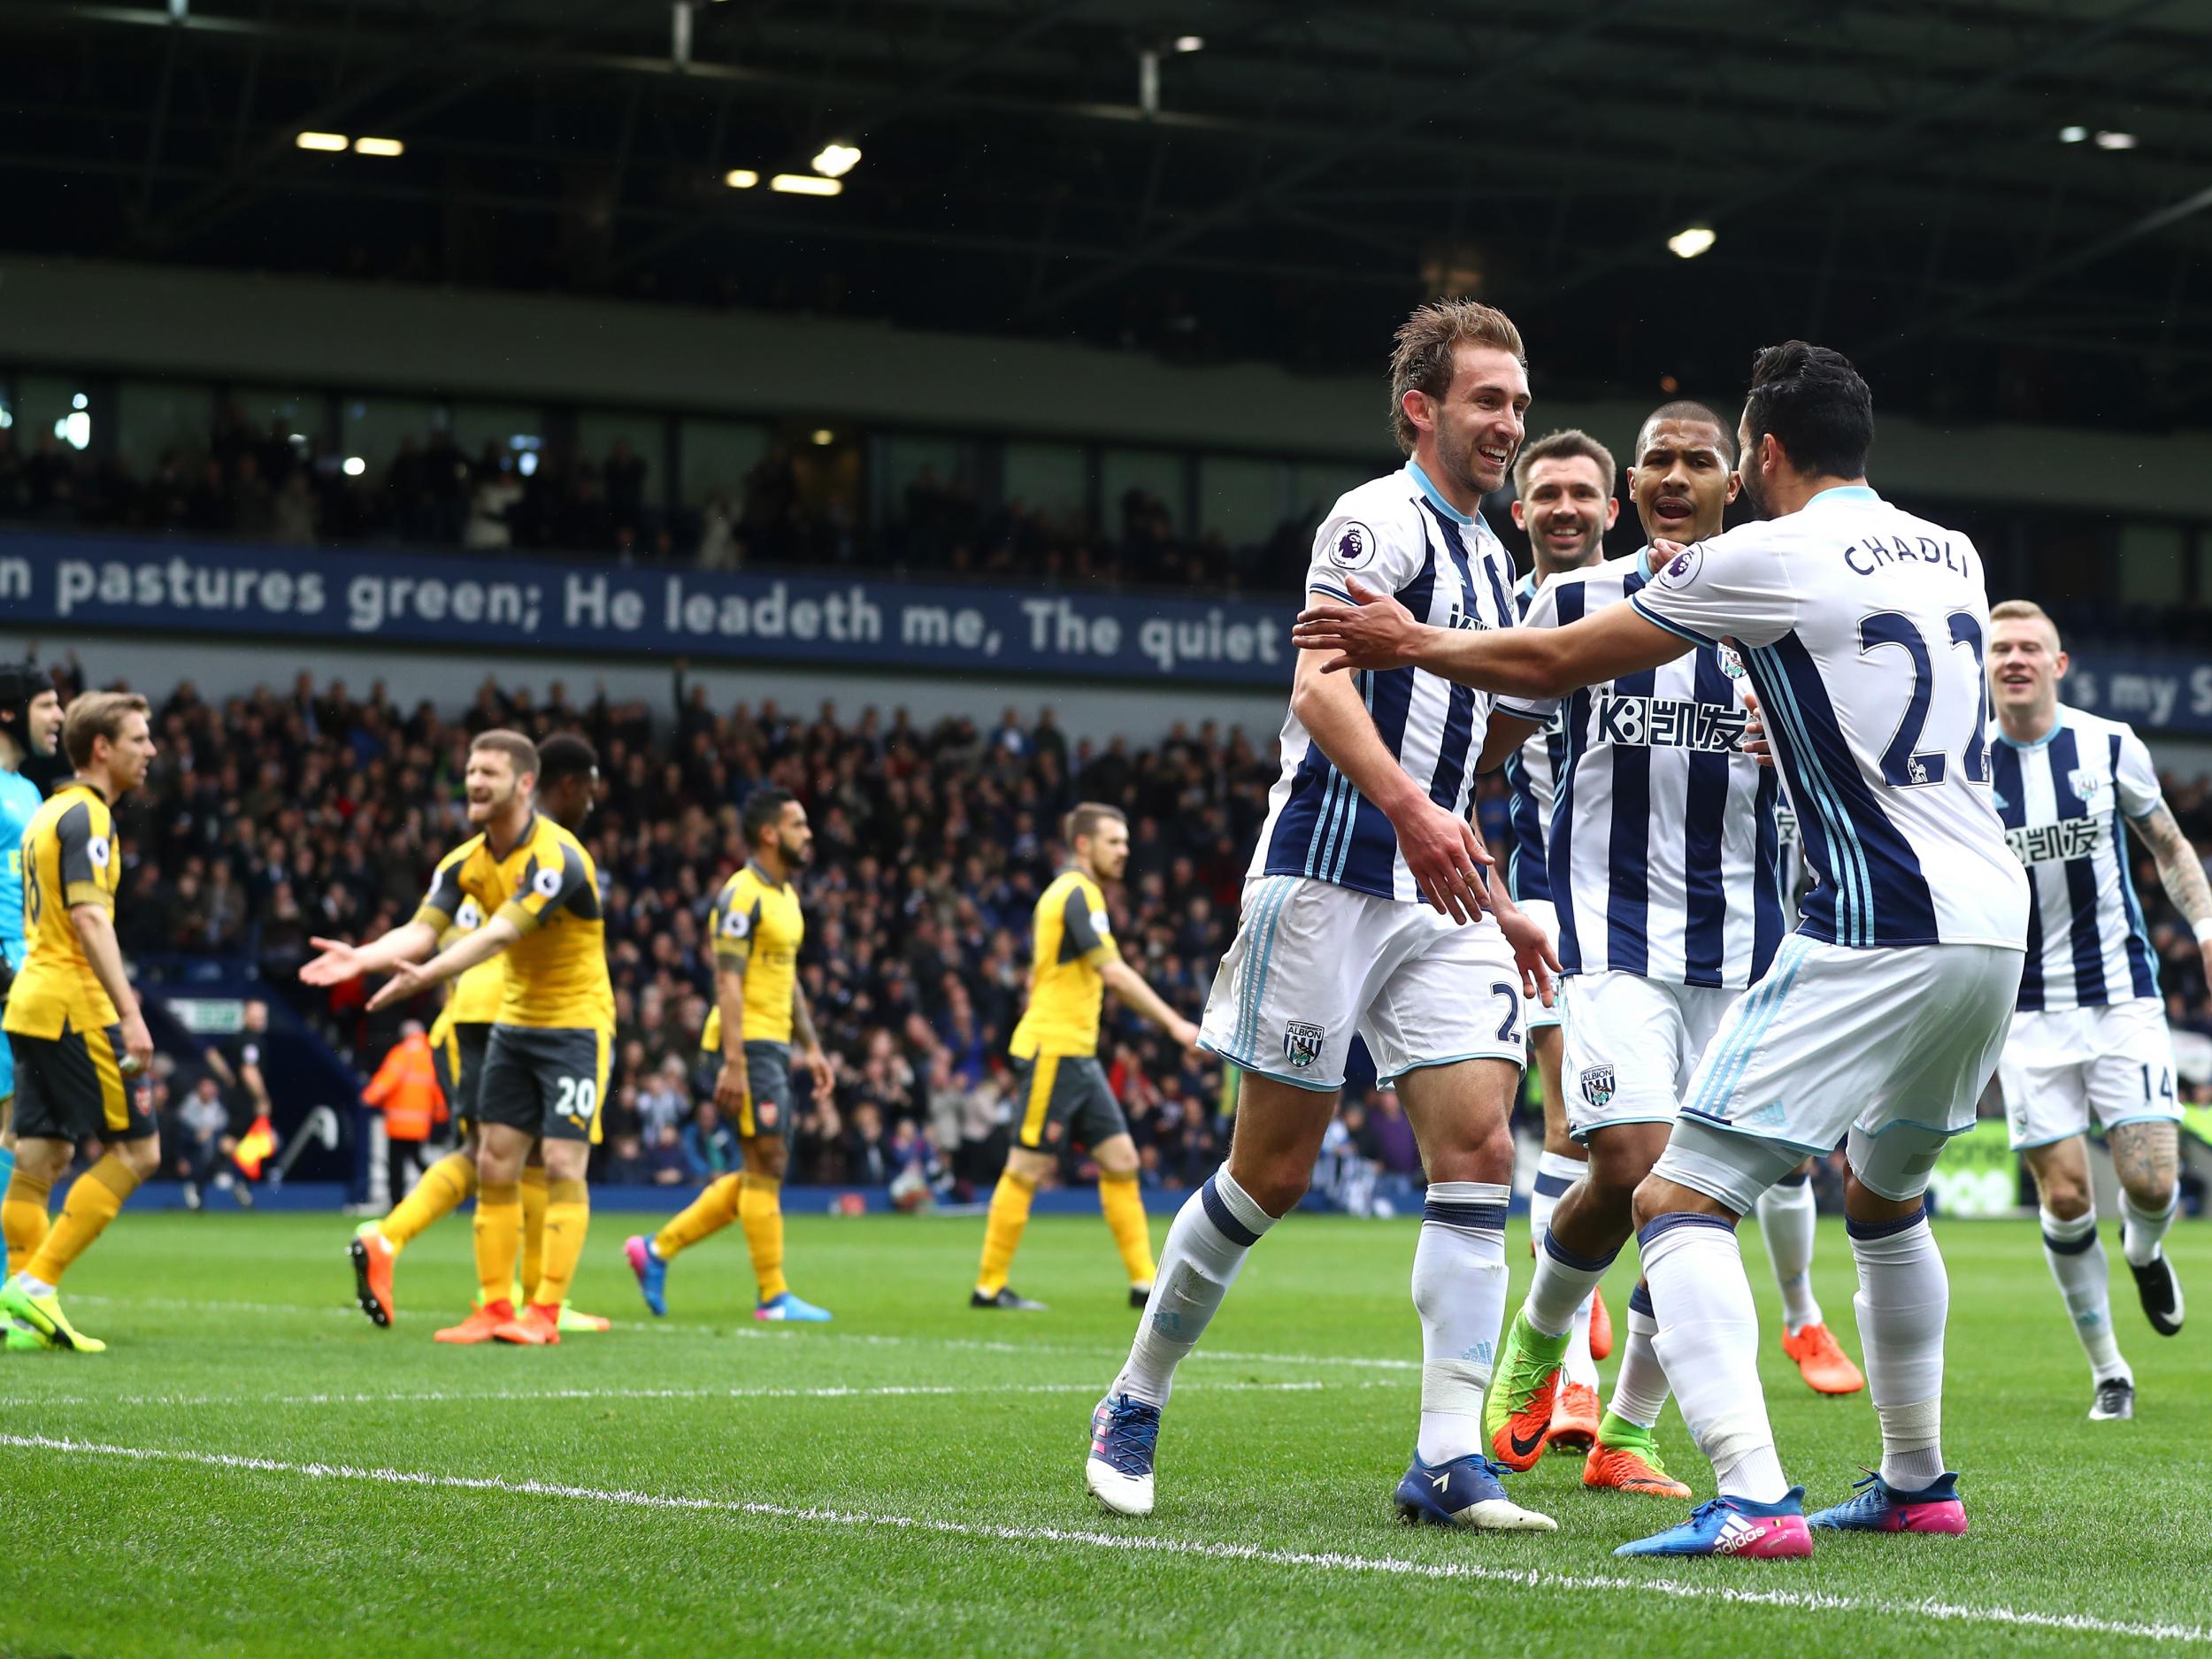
(533, 1327)
(373, 1257)
(1574, 1418)
(482, 1324)
(1826, 1368)
(1631, 1468)
(1601, 1327)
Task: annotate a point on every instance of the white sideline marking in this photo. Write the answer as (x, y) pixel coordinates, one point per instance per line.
(1327, 1561)
(968, 1344)
(437, 1396)
(976, 1346)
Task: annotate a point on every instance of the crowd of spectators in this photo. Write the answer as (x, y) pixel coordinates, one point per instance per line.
(793, 506)
(322, 810)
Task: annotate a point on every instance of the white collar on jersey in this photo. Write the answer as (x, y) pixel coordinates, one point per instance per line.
(1843, 493)
(1436, 495)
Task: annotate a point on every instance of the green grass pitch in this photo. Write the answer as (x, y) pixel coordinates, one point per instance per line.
(253, 1468)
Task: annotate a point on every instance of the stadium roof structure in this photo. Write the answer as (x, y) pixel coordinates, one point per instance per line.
(2000, 206)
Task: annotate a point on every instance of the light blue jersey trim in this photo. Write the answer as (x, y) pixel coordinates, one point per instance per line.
(1636, 603)
(1311, 1086)
(1499, 1053)
(1436, 496)
(1845, 492)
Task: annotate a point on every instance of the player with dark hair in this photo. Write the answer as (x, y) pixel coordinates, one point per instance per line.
(545, 1067)
(760, 1008)
(1064, 1094)
(568, 785)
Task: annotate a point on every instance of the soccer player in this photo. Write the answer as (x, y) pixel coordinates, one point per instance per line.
(545, 1066)
(1562, 497)
(30, 720)
(757, 927)
(1364, 912)
(80, 1043)
(1862, 629)
(2090, 1039)
(1663, 859)
(1074, 961)
(568, 786)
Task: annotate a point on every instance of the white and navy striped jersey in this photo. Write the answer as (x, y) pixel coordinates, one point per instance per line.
(1661, 843)
(1531, 772)
(2062, 799)
(1398, 534)
(1861, 628)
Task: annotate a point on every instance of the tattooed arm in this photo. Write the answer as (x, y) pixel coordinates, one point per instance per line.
(2179, 868)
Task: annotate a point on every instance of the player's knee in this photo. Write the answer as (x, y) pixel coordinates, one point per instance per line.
(2154, 1189)
(1277, 1184)
(768, 1158)
(142, 1157)
(2066, 1197)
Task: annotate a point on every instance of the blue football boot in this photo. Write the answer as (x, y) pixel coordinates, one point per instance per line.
(1735, 1526)
(1464, 1491)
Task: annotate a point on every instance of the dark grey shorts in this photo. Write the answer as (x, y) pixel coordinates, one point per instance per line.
(1065, 1097)
(549, 1081)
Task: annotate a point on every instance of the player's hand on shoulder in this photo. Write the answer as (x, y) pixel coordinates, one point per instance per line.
(1445, 857)
(1377, 633)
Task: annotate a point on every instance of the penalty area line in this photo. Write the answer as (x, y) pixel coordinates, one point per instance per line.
(1330, 1561)
(433, 1396)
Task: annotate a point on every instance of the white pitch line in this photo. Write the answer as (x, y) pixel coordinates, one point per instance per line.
(968, 1344)
(465, 1397)
(978, 1345)
(1331, 1561)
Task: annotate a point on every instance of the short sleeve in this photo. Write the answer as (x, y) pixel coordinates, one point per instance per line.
(549, 880)
(1736, 586)
(88, 856)
(2135, 778)
(736, 920)
(1543, 612)
(1084, 934)
(443, 906)
(1384, 551)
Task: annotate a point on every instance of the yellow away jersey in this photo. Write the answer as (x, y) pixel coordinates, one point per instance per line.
(69, 858)
(758, 924)
(1073, 938)
(474, 998)
(548, 887)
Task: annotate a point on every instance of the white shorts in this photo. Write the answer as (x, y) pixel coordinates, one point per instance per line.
(1632, 1045)
(1536, 1017)
(1891, 1047)
(2062, 1067)
(1313, 963)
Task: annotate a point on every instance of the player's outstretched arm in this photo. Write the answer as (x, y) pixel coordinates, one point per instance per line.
(337, 961)
(410, 979)
(1442, 851)
(1130, 991)
(2179, 869)
(1380, 632)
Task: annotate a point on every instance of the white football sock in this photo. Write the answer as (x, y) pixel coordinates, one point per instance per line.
(1563, 1284)
(1904, 1298)
(1639, 1388)
(1555, 1172)
(1205, 1247)
(1577, 1365)
(1709, 1343)
(2084, 1280)
(1459, 1285)
(2141, 1230)
(1786, 1218)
